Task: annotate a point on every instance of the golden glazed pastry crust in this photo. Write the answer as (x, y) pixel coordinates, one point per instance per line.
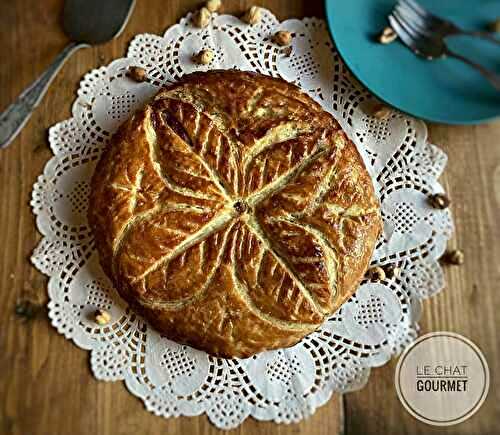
(233, 213)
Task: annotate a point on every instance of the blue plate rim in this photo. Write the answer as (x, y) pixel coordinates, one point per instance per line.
(436, 120)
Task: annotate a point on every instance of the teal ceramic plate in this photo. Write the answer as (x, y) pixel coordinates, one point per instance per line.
(444, 90)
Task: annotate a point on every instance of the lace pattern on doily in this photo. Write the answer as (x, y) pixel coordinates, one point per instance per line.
(284, 385)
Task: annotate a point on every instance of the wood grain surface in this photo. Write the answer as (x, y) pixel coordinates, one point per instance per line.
(46, 386)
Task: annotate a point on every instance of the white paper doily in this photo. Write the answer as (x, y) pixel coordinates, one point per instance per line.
(284, 385)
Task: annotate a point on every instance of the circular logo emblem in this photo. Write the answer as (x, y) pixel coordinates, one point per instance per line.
(442, 378)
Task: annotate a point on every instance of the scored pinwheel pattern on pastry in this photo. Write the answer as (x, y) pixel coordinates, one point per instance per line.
(234, 213)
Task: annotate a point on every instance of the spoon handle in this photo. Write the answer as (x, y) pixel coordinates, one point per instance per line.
(485, 35)
(13, 118)
(493, 78)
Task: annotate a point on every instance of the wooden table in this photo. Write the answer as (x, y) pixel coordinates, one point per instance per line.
(46, 385)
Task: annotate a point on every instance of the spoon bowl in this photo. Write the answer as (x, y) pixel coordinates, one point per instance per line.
(95, 21)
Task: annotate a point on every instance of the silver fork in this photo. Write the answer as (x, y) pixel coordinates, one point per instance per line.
(432, 23)
(432, 45)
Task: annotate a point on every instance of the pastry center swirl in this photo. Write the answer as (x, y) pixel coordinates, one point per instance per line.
(240, 206)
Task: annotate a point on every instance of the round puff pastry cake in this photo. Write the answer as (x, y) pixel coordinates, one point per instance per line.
(233, 213)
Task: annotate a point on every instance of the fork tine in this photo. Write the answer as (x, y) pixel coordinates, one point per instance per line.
(402, 6)
(407, 25)
(410, 36)
(402, 32)
(416, 7)
(410, 16)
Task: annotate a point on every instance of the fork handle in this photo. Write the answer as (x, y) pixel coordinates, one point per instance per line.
(493, 78)
(13, 118)
(479, 34)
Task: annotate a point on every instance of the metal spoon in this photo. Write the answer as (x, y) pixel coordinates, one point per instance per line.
(86, 22)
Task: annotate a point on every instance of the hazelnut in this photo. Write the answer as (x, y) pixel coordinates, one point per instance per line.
(376, 273)
(204, 57)
(454, 256)
(494, 26)
(387, 36)
(282, 38)
(28, 309)
(439, 200)
(287, 51)
(392, 271)
(252, 15)
(381, 111)
(102, 317)
(137, 73)
(213, 5)
(201, 18)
